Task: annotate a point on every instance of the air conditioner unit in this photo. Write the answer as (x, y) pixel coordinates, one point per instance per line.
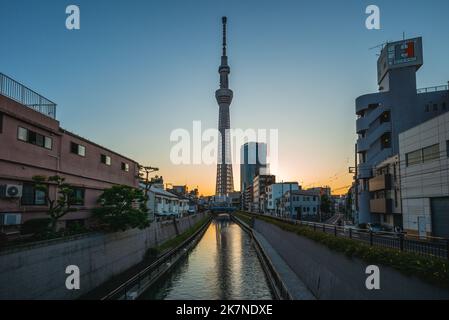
(10, 219)
(12, 191)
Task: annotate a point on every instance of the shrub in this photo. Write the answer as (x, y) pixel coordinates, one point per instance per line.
(36, 226)
(431, 269)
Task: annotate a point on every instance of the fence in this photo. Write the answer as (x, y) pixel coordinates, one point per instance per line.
(434, 247)
(18, 92)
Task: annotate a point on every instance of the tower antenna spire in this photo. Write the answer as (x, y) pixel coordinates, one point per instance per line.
(224, 20)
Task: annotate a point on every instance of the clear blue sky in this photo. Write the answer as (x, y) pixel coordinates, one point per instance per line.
(139, 69)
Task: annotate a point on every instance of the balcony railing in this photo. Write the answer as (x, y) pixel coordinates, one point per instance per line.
(433, 89)
(27, 97)
(380, 182)
(384, 206)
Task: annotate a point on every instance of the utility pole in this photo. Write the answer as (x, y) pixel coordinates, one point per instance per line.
(145, 171)
(356, 182)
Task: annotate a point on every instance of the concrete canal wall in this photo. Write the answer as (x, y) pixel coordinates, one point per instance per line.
(332, 275)
(37, 271)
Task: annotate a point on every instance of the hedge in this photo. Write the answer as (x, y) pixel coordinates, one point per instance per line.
(430, 269)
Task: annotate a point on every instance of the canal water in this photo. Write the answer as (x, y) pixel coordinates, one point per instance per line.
(223, 265)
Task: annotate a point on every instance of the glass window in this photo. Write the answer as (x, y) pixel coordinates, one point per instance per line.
(106, 159)
(414, 157)
(32, 197)
(39, 140)
(1, 122)
(81, 150)
(77, 149)
(431, 153)
(22, 134)
(39, 197)
(78, 196)
(125, 166)
(48, 143)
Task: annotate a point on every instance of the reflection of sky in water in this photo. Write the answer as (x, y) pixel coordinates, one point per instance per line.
(224, 265)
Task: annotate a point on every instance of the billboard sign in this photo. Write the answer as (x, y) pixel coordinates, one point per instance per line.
(400, 54)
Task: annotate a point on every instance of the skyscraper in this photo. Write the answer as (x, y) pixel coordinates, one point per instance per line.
(253, 161)
(225, 183)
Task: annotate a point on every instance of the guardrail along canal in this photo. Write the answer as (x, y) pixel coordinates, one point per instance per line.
(223, 265)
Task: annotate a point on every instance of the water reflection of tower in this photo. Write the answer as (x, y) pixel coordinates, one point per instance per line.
(223, 246)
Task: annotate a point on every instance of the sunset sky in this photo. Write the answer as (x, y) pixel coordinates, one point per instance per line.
(137, 70)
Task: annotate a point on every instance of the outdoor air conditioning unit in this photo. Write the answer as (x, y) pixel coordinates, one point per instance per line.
(10, 191)
(10, 219)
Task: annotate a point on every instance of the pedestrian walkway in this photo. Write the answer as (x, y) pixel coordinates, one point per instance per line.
(294, 284)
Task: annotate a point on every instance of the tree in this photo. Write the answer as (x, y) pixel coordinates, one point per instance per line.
(122, 208)
(326, 204)
(59, 207)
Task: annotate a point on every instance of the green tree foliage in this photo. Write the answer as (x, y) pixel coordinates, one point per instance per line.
(122, 208)
(59, 207)
(326, 204)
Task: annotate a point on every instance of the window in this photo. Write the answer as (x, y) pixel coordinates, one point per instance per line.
(414, 157)
(78, 149)
(385, 140)
(34, 138)
(385, 117)
(443, 106)
(435, 107)
(22, 134)
(1, 122)
(78, 197)
(427, 108)
(431, 152)
(125, 166)
(33, 197)
(106, 159)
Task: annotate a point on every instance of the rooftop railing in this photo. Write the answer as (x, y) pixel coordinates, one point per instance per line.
(433, 89)
(27, 97)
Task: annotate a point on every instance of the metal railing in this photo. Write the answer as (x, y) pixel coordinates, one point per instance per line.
(27, 97)
(278, 286)
(134, 287)
(431, 247)
(433, 89)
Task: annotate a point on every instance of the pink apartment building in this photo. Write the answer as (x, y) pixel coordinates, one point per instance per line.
(33, 143)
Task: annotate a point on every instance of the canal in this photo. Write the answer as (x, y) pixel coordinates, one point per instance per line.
(223, 265)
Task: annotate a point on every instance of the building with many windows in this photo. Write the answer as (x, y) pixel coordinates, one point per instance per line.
(301, 205)
(33, 143)
(274, 193)
(385, 191)
(424, 154)
(253, 161)
(260, 184)
(397, 107)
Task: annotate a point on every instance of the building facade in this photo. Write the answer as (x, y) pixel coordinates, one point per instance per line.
(385, 191)
(424, 154)
(253, 161)
(301, 205)
(274, 193)
(162, 203)
(397, 107)
(260, 183)
(33, 144)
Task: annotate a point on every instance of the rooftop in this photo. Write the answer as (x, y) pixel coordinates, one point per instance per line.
(18, 92)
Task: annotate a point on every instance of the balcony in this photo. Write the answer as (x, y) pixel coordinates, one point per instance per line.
(382, 182)
(27, 97)
(384, 206)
